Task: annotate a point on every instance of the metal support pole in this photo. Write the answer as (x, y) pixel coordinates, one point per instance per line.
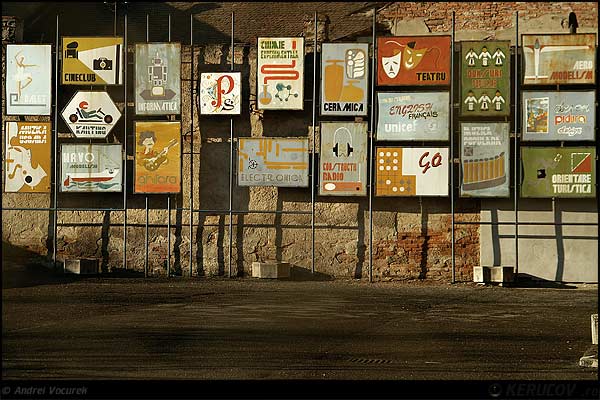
(125, 144)
(146, 239)
(314, 166)
(169, 236)
(371, 137)
(452, 147)
(516, 150)
(191, 141)
(231, 156)
(55, 199)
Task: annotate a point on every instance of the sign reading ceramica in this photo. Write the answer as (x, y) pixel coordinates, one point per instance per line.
(91, 167)
(273, 162)
(344, 72)
(558, 172)
(28, 79)
(562, 58)
(485, 78)
(343, 159)
(157, 157)
(91, 114)
(220, 93)
(412, 171)
(559, 115)
(413, 116)
(413, 60)
(280, 83)
(157, 78)
(27, 160)
(485, 165)
(92, 60)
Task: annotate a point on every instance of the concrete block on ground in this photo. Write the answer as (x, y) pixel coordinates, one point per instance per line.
(502, 274)
(81, 266)
(481, 274)
(270, 269)
(590, 358)
(595, 329)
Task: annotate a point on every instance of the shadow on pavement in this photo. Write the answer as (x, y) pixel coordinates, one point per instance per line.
(531, 281)
(304, 274)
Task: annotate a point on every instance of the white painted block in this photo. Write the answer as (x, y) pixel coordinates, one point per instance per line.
(502, 274)
(481, 274)
(81, 266)
(271, 269)
(594, 328)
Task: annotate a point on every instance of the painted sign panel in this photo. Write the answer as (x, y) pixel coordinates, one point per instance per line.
(280, 83)
(157, 78)
(411, 171)
(559, 115)
(157, 157)
(220, 93)
(28, 79)
(344, 75)
(413, 60)
(27, 160)
(413, 116)
(484, 160)
(343, 159)
(91, 168)
(91, 114)
(485, 78)
(273, 162)
(558, 172)
(556, 59)
(92, 60)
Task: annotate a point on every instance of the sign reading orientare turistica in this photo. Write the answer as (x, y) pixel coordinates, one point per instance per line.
(91, 114)
(92, 60)
(485, 78)
(558, 172)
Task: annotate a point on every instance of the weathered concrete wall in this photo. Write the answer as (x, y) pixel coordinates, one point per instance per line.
(411, 238)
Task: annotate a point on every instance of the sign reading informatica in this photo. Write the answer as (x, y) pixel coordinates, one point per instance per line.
(157, 78)
(92, 60)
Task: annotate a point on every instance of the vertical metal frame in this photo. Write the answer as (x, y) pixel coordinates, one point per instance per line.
(314, 156)
(191, 199)
(452, 246)
(125, 58)
(55, 197)
(147, 211)
(517, 169)
(231, 153)
(371, 138)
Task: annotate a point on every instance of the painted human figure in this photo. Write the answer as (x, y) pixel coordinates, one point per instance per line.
(470, 101)
(498, 57)
(498, 100)
(485, 56)
(485, 102)
(22, 76)
(471, 56)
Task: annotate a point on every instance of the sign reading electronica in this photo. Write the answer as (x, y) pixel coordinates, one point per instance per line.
(412, 171)
(413, 116)
(91, 114)
(27, 161)
(220, 93)
(344, 72)
(273, 162)
(413, 60)
(485, 78)
(562, 58)
(91, 167)
(157, 157)
(28, 79)
(558, 172)
(484, 159)
(92, 60)
(343, 159)
(157, 78)
(559, 115)
(280, 73)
